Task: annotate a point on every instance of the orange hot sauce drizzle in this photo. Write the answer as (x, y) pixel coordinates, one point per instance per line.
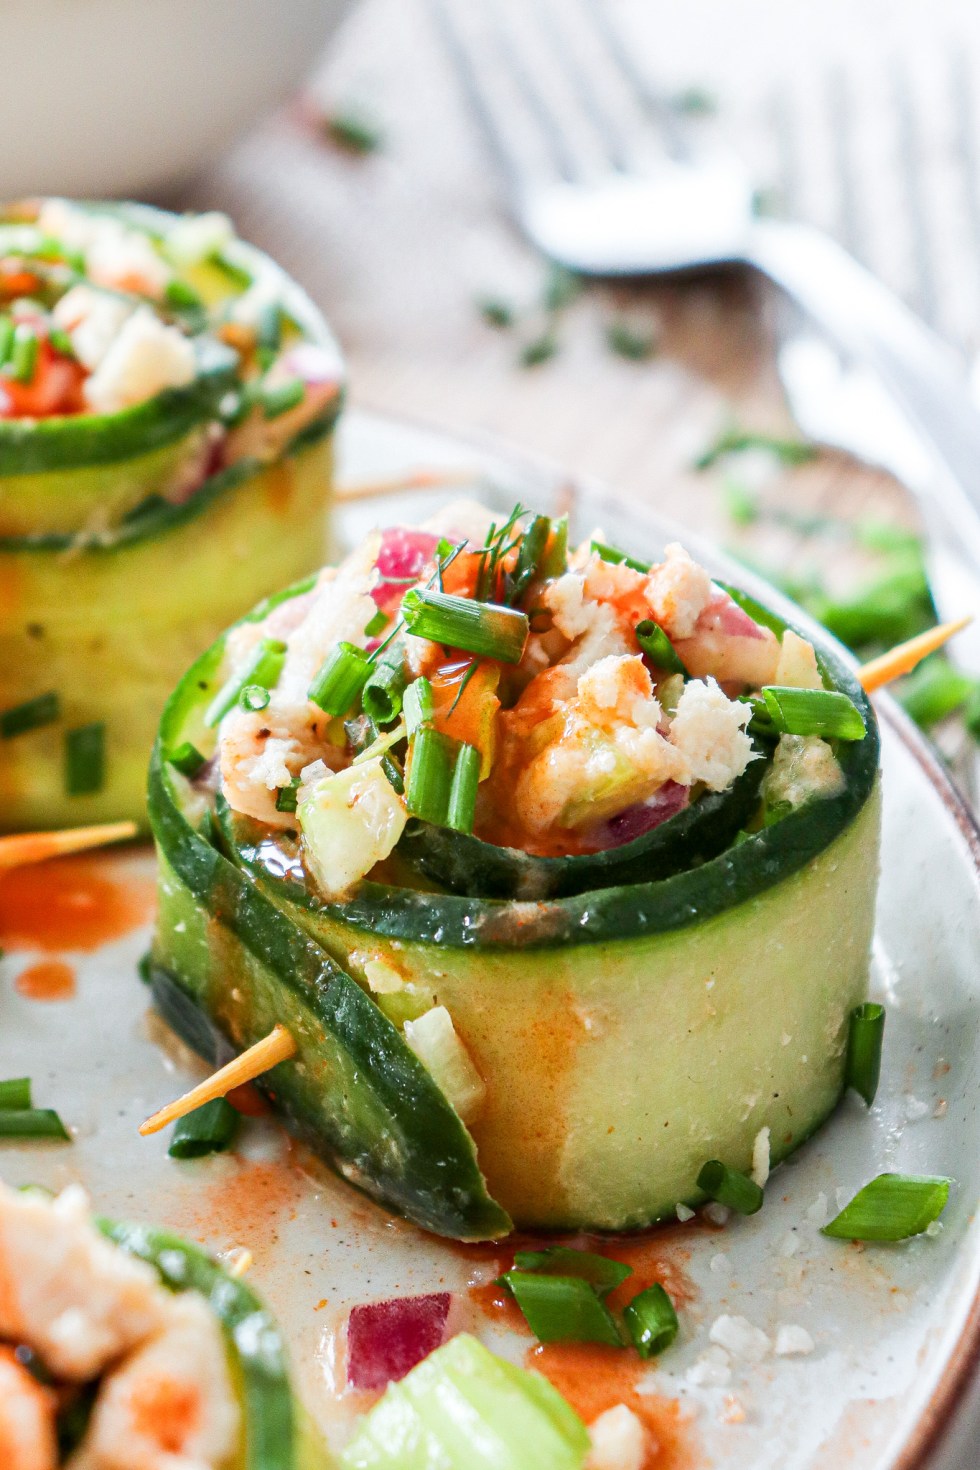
(74, 903)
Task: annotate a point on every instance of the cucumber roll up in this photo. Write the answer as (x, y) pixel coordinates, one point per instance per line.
(559, 868)
(167, 397)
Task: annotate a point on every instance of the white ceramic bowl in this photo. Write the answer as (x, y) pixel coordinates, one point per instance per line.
(116, 97)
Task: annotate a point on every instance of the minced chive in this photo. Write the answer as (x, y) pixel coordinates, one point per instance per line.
(483, 628)
(376, 625)
(533, 545)
(562, 1308)
(44, 709)
(341, 678)
(496, 312)
(264, 667)
(282, 397)
(144, 967)
(651, 1321)
(824, 712)
(864, 1040)
(430, 775)
(615, 556)
(735, 441)
(419, 704)
(6, 338)
(181, 294)
(254, 697)
(729, 1187)
(462, 794)
(602, 1274)
(353, 130)
(209, 1129)
(394, 774)
(382, 744)
(32, 1123)
(187, 759)
(560, 288)
(658, 647)
(384, 688)
(23, 354)
(538, 350)
(891, 1207)
(15, 1093)
(286, 796)
(626, 341)
(85, 759)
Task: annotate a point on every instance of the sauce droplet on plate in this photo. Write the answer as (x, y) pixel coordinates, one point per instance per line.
(47, 980)
(72, 903)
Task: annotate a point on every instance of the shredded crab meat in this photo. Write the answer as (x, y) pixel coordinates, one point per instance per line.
(65, 1291)
(678, 592)
(170, 1405)
(708, 730)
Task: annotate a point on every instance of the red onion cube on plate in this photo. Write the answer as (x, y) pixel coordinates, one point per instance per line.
(386, 1339)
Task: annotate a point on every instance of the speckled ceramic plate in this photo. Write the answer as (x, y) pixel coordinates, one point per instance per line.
(896, 1329)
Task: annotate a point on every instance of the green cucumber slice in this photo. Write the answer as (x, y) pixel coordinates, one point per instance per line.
(462, 1408)
(466, 865)
(277, 1434)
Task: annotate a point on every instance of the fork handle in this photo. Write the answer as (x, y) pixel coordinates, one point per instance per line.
(914, 365)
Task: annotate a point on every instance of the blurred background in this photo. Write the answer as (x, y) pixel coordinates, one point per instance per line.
(353, 157)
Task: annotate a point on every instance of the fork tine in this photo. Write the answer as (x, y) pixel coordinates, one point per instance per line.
(652, 103)
(965, 146)
(607, 130)
(840, 106)
(909, 143)
(516, 169)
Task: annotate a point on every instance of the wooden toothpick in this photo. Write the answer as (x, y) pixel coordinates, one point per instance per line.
(277, 1047)
(37, 847)
(903, 659)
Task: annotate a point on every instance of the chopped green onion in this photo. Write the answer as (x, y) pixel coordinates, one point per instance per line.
(353, 130)
(85, 759)
(888, 611)
(462, 794)
(144, 967)
(254, 697)
(824, 712)
(382, 744)
(6, 338)
(385, 684)
(209, 1129)
(182, 295)
(658, 647)
(15, 1093)
(496, 312)
(286, 796)
(23, 356)
(864, 1038)
(483, 628)
(430, 776)
(44, 709)
(934, 691)
(393, 774)
(539, 350)
(341, 678)
(264, 667)
(602, 1274)
(891, 1207)
(529, 557)
(651, 1321)
(377, 624)
(615, 556)
(187, 759)
(268, 327)
(280, 398)
(555, 560)
(626, 342)
(419, 705)
(562, 1308)
(32, 1123)
(361, 732)
(729, 1187)
(61, 342)
(741, 503)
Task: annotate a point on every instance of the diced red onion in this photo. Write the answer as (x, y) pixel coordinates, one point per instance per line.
(312, 363)
(403, 555)
(385, 1340)
(637, 820)
(723, 615)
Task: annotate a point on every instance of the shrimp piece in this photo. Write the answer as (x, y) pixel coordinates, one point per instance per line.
(618, 691)
(678, 591)
(170, 1404)
(28, 1437)
(65, 1290)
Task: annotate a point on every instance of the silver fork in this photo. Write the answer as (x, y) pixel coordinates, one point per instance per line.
(604, 179)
